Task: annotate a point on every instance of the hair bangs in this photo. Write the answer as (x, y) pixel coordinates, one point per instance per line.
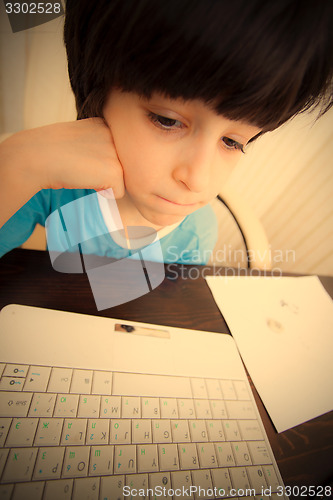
(250, 61)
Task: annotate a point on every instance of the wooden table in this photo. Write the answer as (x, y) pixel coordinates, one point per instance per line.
(304, 453)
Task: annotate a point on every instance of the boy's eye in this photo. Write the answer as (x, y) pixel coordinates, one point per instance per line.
(164, 122)
(232, 144)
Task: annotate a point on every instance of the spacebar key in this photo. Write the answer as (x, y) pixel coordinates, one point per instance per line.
(138, 384)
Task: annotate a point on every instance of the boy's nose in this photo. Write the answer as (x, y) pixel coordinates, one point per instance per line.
(195, 168)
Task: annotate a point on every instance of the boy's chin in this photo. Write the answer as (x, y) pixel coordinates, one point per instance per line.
(159, 221)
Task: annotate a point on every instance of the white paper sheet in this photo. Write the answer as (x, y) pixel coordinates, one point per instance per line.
(283, 328)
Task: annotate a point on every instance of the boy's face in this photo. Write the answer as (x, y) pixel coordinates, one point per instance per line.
(176, 155)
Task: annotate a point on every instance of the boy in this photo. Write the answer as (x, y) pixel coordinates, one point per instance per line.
(168, 95)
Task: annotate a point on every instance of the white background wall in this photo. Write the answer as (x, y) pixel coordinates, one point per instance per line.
(286, 176)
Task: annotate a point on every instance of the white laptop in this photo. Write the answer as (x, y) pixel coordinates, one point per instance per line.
(107, 409)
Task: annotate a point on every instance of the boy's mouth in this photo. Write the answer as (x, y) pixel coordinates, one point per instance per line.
(176, 203)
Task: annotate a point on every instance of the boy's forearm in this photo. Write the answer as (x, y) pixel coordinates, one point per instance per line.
(72, 155)
(18, 182)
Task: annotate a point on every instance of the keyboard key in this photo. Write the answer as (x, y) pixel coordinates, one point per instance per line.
(49, 463)
(76, 461)
(161, 431)
(102, 383)
(81, 382)
(4, 428)
(48, 432)
(168, 457)
(89, 406)
(222, 482)
(19, 465)
(241, 453)
(66, 405)
(231, 430)
(15, 371)
(169, 408)
(250, 430)
(131, 407)
(215, 431)
(86, 488)
(60, 380)
(3, 458)
(257, 478)
(37, 378)
(218, 409)
(59, 490)
(239, 478)
(147, 458)
(259, 453)
(22, 432)
(228, 389)
(120, 431)
(214, 389)
(183, 481)
(161, 480)
(198, 431)
(125, 459)
(111, 487)
(11, 384)
(224, 454)
(180, 431)
(186, 408)
(6, 491)
(188, 456)
(141, 431)
(28, 491)
(74, 431)
(97, 431)
(138, 482)
(199, 389)
(207, 456)
(151, 385)
(110, 407)
(42, 405)
(101, 460)
(271, 477)
(241, 390)
(202, 480)
(202, 408)
(150, 407)
(240, 409)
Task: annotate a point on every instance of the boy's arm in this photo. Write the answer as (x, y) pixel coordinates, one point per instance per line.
(17, 184)
(70, 155)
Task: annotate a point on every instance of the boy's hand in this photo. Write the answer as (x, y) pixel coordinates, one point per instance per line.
(78, 154)
(71, 155)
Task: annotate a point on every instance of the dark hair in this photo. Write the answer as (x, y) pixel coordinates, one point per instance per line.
(259, 61)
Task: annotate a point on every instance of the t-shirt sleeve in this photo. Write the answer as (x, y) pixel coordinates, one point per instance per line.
(21, 225)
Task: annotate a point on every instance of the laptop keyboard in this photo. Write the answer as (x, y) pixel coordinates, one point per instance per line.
(86, 434)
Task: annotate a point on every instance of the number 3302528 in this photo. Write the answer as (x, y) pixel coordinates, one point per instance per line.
(33, 8)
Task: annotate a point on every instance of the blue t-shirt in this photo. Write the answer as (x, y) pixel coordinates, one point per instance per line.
(191, 242)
